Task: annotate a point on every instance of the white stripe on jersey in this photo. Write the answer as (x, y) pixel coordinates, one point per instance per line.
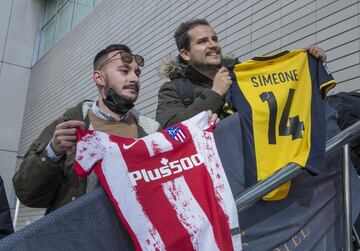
(125, 194)
(180, 136)
(157, 143)
(207, 148)
(190, 214)
(89, 150)
(177, 191)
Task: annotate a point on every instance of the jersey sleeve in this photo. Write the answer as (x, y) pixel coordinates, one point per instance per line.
(325, 79)
(200, 122)
(89, 150)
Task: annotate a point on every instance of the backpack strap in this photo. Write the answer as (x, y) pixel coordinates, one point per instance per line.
(183, 86)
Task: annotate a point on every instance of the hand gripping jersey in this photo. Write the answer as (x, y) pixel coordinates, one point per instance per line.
(169, 188)
(280, 102)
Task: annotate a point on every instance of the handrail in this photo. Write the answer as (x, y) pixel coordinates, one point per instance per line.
(347, 199)
(290, 171)
(343, 138)
(247, 198)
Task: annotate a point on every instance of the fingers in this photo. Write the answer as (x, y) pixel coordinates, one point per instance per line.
(213, 117)
(316, 52)
(71, 124)
(210, 113)
(222, 81)
(67, 138)
(63, 132)
(223, 69)
(64, 136)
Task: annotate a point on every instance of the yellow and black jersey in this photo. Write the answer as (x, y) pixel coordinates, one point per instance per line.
(280, 102)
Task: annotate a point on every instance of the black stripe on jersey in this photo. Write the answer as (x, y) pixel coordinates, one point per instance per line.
(318, 127)
(265, 58)
(245, 116)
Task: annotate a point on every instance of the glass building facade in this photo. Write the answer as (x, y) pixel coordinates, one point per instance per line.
(59, 17)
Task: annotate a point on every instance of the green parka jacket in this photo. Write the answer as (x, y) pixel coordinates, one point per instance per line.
(171, 108)
(42, 183)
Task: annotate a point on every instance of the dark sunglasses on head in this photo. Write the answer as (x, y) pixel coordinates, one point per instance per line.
(125, 57)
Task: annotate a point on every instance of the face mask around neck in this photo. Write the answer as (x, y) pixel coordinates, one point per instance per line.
(117, 103)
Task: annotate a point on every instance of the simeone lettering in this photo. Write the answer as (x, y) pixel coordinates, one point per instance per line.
(275, 78)
(173, 167)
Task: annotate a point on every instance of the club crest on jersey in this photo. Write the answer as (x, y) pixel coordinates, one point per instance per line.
(176, 134)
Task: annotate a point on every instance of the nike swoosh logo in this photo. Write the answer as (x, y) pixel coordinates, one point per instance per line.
(129, 146)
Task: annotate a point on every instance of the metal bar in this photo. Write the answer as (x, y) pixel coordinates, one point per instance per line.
(347, 200)
(16, 214)
(356, 238)
(256, 192)
(343, 138)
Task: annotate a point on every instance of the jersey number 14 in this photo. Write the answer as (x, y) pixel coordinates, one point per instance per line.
(293, 128)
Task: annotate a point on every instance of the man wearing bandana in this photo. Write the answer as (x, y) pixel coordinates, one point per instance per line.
(46, 178)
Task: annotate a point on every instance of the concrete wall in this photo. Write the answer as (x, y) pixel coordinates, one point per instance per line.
(18, 24)
(62, 77)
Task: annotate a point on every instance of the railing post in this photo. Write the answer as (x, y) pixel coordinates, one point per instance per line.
(347, 200)
(16, 214)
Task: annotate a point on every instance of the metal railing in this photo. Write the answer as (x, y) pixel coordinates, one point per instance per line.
(247, 198)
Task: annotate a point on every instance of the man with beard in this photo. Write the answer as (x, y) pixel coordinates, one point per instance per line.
(46, 178)
(199, 67)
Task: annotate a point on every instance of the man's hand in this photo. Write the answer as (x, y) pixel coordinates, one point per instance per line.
(65, 135)
(222, 81)
(316, 52)
(212, 117)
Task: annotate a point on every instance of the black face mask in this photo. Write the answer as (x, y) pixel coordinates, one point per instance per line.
(117, 103)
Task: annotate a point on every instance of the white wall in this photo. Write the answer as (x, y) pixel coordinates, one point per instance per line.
(246, 28)
(18, 23)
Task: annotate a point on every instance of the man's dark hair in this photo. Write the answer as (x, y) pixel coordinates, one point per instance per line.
(101, 56)
(181, 35)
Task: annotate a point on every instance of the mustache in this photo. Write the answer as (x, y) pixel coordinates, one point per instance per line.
(132, 87)
(218, 51)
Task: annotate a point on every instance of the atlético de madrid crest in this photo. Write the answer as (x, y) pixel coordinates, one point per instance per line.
(176, 134)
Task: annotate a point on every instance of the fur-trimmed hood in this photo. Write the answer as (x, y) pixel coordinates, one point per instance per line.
(172, 68)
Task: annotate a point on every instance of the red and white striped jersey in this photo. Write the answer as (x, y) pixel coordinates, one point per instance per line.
(169, 188)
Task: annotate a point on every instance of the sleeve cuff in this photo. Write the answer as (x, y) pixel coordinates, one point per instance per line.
(51, 154)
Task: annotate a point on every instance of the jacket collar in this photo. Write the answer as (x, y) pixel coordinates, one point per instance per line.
(197, 78)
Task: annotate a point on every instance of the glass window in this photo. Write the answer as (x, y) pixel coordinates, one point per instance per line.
(96, 2)
(63, 20)
(61, 3)
(59, 17)
(81, 9)
(47, 37)
(50, 10)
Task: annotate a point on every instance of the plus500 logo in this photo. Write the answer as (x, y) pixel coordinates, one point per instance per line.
(173, 167)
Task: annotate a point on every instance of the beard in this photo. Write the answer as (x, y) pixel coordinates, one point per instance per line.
(207, 66)
(203, 65)
(116, 103)
(119, 103)
(132, 97)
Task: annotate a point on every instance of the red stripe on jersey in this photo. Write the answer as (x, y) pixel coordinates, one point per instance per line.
(97, 169)
(165, 215)
(149, 194)
(205, 196)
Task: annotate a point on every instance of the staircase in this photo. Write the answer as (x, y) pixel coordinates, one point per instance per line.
(27, 215)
